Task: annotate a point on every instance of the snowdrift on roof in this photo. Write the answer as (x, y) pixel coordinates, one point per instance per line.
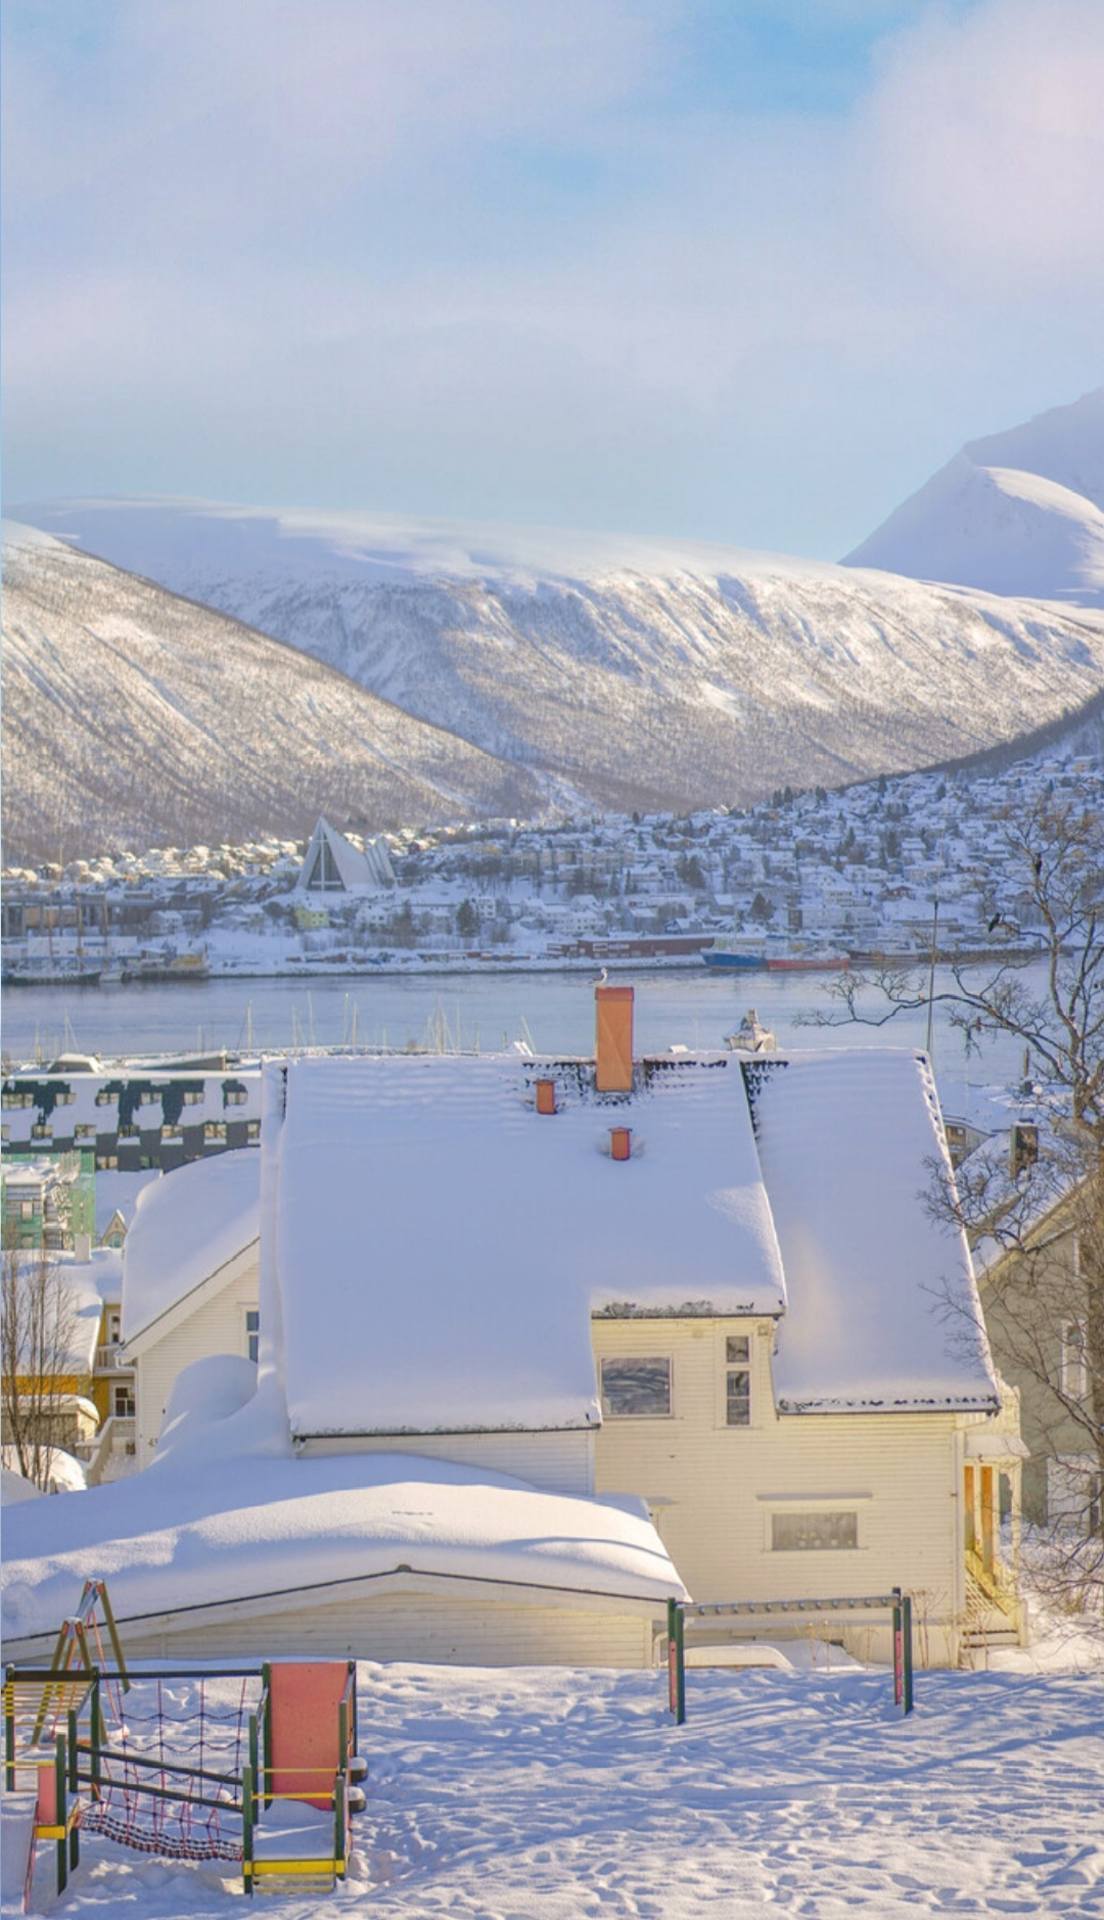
(441, 1247)
(884, 1313)
(196, 1532)
(186, 1226)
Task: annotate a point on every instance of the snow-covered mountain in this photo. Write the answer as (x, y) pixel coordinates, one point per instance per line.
(637, 674)
(132, 716)
(1020, 512)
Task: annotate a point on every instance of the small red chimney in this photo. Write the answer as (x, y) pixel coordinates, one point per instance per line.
(546, 1096)
(620, 1143)
(613, 1021)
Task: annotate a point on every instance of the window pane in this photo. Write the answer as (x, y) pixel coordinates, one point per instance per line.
(737, 1347)
(636, 1387)
(738, 1399)
(813, 1532)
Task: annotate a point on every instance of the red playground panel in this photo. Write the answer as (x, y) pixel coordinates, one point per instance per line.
(305, 1726)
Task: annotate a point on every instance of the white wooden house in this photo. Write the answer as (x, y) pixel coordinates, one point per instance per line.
(705, 1282)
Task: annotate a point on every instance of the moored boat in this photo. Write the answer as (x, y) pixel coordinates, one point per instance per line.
(740, 962)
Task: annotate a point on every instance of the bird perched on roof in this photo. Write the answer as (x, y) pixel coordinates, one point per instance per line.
(603, 976)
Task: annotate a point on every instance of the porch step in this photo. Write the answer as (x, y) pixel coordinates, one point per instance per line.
(990, 1637)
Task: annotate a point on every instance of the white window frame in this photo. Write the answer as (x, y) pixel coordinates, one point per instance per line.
(813, 1510)
(732, 1366)
(637, 1359)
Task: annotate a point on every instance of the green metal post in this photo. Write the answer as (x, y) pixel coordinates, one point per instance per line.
(906, 1649)
(96, 1738)
(898, 1649)
(9, 1730)
(247, 1828)
(61, 1776)
(74, 1784)
(339, 1824)
(680, 1666)
(266, 1681)
(254, 1747)
(113, 1633)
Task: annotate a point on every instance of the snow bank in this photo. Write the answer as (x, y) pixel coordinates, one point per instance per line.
(187, 1225)
(245, 1524)
(883, 1305)
(441, 1247)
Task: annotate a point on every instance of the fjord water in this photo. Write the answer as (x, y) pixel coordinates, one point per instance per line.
(554, 1011)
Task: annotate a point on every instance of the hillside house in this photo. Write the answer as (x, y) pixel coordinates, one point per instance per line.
(707, 1282)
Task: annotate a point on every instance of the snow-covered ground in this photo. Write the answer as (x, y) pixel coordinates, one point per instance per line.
(551, 1794)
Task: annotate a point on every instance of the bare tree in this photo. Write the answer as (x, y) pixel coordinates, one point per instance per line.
(1035, 1210)
(37, 1339)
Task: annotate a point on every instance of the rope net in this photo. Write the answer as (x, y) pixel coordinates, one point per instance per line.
(168, 1780)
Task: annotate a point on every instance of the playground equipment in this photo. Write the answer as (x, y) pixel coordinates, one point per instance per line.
(897, 1604)
(257, 1765)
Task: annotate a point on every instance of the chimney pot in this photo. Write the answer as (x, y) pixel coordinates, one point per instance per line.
(546, 1096)
(620, 1143)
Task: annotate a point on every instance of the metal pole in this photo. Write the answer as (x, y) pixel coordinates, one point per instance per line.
(9, 1731)
(61, 1775)
(906, 1634)
(931, 972)
(898, 1649)
(247, 1828)
(680, 1666)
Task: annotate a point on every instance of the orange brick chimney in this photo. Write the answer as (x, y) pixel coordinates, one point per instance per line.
(613, 1046)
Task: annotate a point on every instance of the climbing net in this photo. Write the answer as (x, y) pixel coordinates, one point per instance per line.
(166, 1779)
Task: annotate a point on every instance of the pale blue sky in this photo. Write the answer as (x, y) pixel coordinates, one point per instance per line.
(746, 270)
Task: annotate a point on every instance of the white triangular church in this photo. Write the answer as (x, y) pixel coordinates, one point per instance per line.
(333, 865)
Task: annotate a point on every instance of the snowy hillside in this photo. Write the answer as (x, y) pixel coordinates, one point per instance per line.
(131, 713)
(640, 674)
(1020, 512)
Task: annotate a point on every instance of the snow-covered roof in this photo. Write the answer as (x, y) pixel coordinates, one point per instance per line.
(224, 1526)
(441, 1247)
(883, 1310)
(89, 1285)
(187, 1225)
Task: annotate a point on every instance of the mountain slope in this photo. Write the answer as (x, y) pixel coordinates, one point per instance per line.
(133, 717)
(641, 675)
(1020, 512)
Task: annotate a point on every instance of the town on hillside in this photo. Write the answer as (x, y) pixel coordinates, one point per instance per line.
(898, 867)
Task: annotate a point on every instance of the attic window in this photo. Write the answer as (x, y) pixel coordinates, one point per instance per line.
(636, 1389)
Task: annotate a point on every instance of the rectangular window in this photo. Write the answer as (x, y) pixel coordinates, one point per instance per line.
(252, 1129)
(84, 1130)
(172, 1133)
(1074, 1367)
(40, 1131)
(105, 1162)
(26, 1209)
(738, 1380)
(636, 1389)
(66, 1098)
(253, 1332)
(215, 1130)
(103, 1098)
(123, 1404)
(193, 1096)
(814, 1532)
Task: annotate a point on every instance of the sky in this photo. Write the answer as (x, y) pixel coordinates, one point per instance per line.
(740, 270)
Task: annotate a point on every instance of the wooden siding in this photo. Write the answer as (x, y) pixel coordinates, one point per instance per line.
(713, 1488)
(217, 1327)
(555, 1462)
(455, 1631)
